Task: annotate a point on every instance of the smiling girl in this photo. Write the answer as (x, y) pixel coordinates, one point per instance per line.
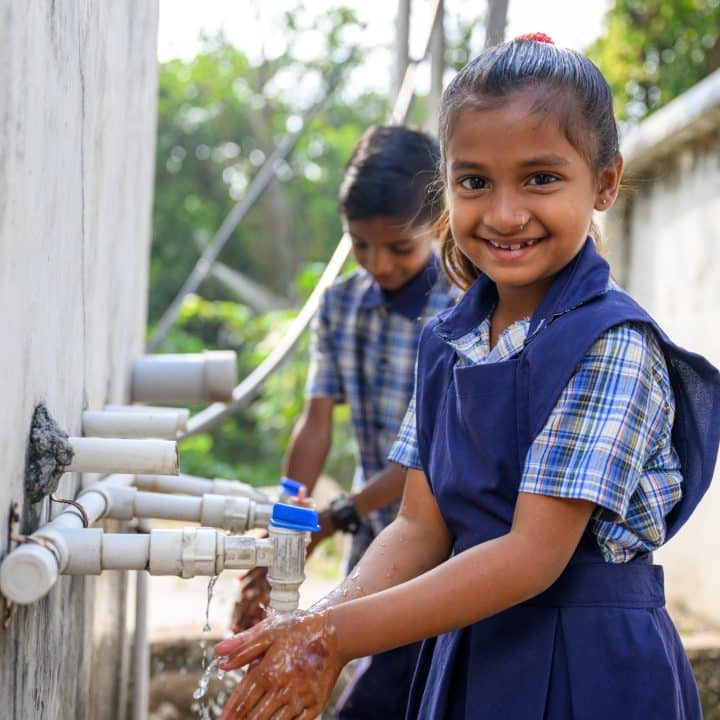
(556, 438)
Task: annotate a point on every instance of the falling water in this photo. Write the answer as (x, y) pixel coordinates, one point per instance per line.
(205, 706)
(208, 668)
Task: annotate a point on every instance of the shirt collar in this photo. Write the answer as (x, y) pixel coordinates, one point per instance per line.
(410, 299)
(474, 347)
(585, 277)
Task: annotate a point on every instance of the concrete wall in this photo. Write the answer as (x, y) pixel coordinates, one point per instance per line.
(77, 129)
(665, 250)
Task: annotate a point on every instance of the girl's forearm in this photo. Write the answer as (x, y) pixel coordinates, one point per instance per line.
(310, 443)
(469, 587)
(381, 567)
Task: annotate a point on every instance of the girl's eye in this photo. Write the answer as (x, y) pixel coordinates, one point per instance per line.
(473, 182)
(542, 179)
(404, 250)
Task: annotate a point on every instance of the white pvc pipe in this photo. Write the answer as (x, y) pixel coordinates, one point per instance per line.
(141, 649)
(184, 379)
(29, 572)
(117, 554)
(236, 514)
(185, 484)
(192, 485)
(106, 455)
(181, 414)
(168, 507)
(188, 552)
(98, 423)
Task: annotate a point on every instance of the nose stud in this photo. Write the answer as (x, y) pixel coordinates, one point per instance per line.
(522, 225)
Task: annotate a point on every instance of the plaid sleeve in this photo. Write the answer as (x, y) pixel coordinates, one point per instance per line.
(607, 424)
(405, 449)
(324, 377)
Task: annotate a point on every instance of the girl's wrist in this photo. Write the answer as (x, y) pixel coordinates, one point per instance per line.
(335, 625)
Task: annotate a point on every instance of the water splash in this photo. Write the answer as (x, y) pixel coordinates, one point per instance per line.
(202, 688)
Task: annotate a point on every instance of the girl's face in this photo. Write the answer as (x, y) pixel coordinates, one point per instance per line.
(521, 196)
(392, 252)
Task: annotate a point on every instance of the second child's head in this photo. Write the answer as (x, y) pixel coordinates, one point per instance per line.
(389, 203)
(529, 151)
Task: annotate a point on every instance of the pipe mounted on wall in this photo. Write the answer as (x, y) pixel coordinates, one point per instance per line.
(108, 424)
(193, 485)
(112, 455)
(188, 379)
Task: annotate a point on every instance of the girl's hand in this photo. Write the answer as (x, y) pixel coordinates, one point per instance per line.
(294, 666)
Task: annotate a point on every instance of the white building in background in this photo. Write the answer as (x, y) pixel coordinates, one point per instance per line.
(664, 248)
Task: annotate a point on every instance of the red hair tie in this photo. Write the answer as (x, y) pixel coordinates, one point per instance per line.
(536, 37)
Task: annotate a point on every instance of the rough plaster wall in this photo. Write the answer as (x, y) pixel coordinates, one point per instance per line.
(77, 121)
(672, 267)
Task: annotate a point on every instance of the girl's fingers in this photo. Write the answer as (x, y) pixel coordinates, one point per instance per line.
(231, 645)
(284, 713)
(228, 712)
(244, 697)
(243, 648)
(307, 714)
(246, 654)
(268, 707)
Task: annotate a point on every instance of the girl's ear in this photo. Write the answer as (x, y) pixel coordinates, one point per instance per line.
(609, 184)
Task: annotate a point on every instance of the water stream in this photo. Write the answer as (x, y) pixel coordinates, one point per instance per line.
(207, 706)
(209, 668)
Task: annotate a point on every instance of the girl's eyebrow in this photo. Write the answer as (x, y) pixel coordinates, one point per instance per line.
(466, 165)
(551, 160)
(400, 241)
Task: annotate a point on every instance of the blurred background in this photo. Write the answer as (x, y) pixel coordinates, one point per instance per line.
(235, 79)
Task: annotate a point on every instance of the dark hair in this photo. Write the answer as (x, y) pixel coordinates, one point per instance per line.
(564, 83)
(392, 173)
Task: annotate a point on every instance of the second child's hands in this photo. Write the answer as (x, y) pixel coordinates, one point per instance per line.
(253, 600)
(327, 529)
(294, 664)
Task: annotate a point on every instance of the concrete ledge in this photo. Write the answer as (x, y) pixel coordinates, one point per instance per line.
(692, 115)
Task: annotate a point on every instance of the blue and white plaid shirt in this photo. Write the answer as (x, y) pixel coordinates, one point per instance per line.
(363, 353)
(608, 439)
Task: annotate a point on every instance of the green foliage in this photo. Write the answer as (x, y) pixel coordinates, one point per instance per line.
(653, 50)
(219, 117)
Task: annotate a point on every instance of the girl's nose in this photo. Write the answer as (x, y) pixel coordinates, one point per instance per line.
(505, 215)
(379, 263)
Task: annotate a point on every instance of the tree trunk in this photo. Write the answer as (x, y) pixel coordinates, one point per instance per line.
(437, 69)
(402, 43)
(496, 22)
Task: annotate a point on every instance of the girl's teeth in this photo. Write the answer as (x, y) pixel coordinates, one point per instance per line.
(516, 246)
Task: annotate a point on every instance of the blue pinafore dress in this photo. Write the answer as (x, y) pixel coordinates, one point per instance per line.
(598, 644)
